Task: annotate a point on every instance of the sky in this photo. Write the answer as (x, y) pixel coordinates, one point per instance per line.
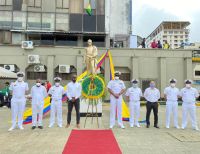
(148, 14)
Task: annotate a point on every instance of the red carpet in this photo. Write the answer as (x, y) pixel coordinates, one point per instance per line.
(91, 142)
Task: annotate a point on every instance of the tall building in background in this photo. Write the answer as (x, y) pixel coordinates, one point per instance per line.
(64, 22)
(174, 32)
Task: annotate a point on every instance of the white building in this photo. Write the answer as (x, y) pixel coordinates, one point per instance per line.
(174, 32)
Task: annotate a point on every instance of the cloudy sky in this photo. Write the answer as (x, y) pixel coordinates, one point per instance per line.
(148, 14)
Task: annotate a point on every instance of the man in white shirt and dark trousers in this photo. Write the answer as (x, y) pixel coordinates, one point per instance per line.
(116, 88)
(38, 94)
(152, 95)
(73, 93)
(56, 92)
(189, 96)
(171, 93)
(18, 89)
(133, 95)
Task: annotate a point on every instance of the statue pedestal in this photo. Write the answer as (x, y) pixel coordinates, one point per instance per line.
(84, 107)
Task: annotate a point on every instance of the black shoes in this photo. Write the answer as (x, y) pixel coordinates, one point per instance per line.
(147, 126)
(40, 127)
(156, 126)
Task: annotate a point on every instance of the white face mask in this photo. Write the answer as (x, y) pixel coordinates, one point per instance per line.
(38, 84)
(57, 84)
(116, 78)
(173, 85)
(20, 79)
(135, 85)
(188, 85)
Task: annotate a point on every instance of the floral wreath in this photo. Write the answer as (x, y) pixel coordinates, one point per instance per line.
(94, 91)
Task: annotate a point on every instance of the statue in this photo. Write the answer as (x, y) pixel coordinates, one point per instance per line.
(91, 58)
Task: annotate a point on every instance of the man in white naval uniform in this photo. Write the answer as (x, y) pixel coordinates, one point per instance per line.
(171, 93)
(56, 92)
(18, 101)
(116, 88)
(38, 94)
(134, 94)
(189, 95)
(152, 95)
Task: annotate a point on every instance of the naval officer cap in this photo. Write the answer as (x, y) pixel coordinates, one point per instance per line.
(20, 74)
(117, 73)
(135, 81)
(188, 81)
(172, 81)
(58, 79)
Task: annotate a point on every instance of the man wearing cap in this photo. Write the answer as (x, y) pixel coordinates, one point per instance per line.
(189, 95)
(73, 93)
(116, 88)
(152, 95)
(56, 92)
(134, 94)
(18, 89)
(171, 93)
(38, 94)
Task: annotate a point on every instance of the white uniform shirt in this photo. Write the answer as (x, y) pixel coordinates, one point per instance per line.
(116, 86)
(171, 93)
(73, 90)
(19, 89)
(152, 95)
(134, 94)
(189, 95)
(56, 92)
(38, 94)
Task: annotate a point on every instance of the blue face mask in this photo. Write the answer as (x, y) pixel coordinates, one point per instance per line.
(152, 85)
(135, 85)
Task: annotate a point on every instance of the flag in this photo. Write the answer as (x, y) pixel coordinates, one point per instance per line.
(89, 10)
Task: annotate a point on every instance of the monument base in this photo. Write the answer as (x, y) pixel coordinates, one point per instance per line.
(89, 112)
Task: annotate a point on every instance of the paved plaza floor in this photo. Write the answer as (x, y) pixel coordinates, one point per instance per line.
(131, 140)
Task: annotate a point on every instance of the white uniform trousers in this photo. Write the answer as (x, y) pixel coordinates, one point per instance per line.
(172, 108)
(17, 109)
(134, 111)
(37, 113)
(191, 109)
(56, 108)
(116, 105)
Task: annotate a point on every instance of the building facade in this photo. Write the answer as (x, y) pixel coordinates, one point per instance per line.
(143, 64)
(63, 22)
(174, 32)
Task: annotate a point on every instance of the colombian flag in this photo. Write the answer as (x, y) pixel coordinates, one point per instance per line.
(89, 10)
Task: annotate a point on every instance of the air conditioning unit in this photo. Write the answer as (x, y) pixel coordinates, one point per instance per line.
(10, 67)
(33, 59)
(39, 68)
(27, 44)
(64, 68)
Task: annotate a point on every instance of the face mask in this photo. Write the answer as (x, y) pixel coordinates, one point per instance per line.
(188, 85)
(116, 78)
(152, 85)
(57, 84)
(135, 85)
(173, 85)
(20, 79)
(38, 84)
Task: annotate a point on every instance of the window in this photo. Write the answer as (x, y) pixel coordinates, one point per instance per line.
(125, 76)
(5, 2)
(197, 73)
(62, 4)
(37, 75)
(17, 5)
(34, 3)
